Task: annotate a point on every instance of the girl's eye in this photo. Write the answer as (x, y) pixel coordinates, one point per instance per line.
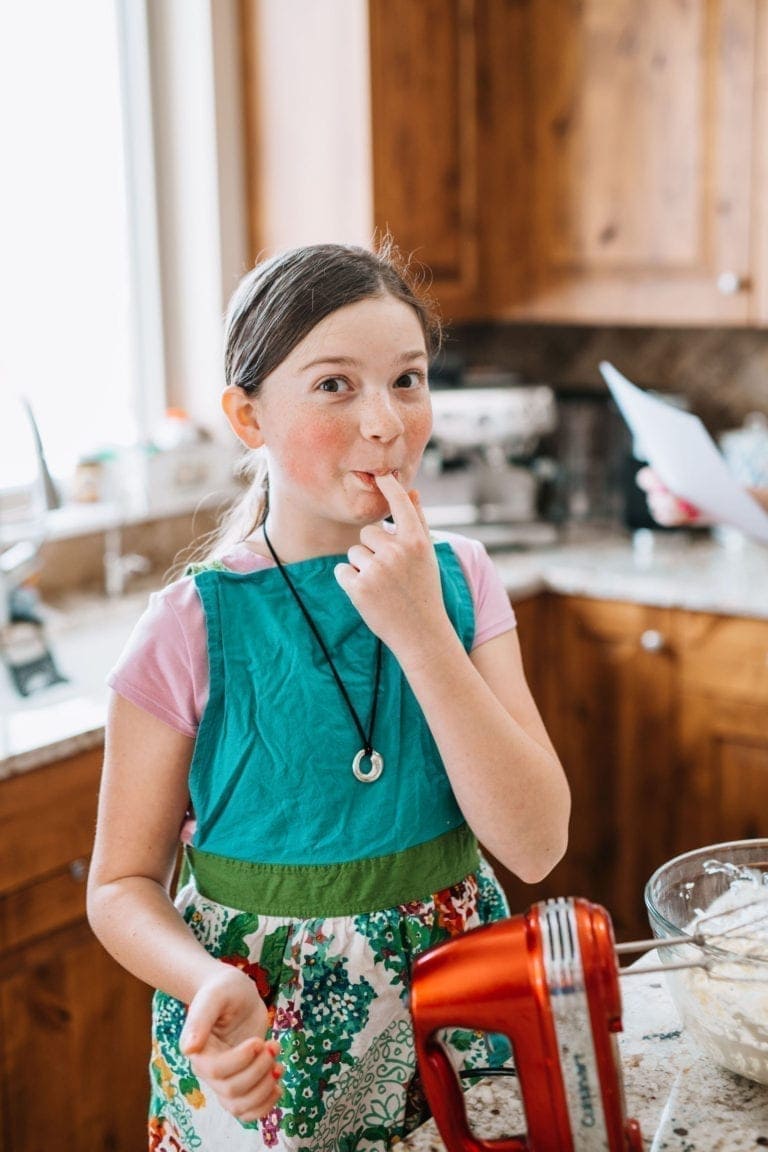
(410, 380)
(334, 384)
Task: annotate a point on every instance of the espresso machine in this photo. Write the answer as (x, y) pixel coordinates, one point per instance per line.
(479, 474)
(548, 981)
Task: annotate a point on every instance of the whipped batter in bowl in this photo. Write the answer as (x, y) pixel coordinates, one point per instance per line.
(720, 895)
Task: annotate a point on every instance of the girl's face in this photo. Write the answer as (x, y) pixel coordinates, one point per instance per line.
(349, 402)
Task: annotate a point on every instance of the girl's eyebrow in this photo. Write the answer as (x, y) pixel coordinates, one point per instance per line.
(351, 362)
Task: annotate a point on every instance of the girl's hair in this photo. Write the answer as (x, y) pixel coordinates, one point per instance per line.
(271, 311)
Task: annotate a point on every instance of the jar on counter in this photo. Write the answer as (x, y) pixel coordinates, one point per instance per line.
(89, 483)
(746, 451)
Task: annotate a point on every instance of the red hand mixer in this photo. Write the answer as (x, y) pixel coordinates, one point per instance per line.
(548, 980)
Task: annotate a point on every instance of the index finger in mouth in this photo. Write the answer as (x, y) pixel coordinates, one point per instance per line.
(389, 478)
(402, 508)
(394, 492)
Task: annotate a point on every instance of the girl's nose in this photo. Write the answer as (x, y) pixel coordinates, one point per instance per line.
(379, 418)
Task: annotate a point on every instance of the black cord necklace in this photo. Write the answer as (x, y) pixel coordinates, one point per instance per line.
(376, 759)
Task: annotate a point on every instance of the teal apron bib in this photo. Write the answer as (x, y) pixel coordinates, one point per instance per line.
(279, 813)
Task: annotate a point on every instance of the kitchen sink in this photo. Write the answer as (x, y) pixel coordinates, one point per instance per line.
(84, 639)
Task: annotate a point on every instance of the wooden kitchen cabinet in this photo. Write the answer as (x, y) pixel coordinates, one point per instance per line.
(660, 717)
(600, 162)
(592, 162)
(74, 1027)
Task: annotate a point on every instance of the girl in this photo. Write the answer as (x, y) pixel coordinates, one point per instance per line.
(339, 701)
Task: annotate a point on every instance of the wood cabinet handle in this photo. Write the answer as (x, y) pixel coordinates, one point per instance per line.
(652, 641)
(78, 869)
(729, 283)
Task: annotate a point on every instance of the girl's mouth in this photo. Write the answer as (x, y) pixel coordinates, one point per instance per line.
(369, 478)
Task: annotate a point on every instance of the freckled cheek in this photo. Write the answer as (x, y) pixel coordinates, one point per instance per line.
(419, 428)
(309, 448)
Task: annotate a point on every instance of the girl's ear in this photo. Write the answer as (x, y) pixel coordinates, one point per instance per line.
(241, 412)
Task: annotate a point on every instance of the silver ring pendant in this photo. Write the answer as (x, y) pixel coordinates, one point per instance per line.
(375, 770)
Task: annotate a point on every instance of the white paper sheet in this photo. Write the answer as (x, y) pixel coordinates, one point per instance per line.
(683, 454)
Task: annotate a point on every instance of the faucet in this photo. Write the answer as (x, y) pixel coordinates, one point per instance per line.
(119, 566)
(23, 642)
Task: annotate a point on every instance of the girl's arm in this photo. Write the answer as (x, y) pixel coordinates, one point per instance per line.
(142, 803)
(503, 769)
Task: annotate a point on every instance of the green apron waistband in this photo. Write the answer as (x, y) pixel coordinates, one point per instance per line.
(309, 891)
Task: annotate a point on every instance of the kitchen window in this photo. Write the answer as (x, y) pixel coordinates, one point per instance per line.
(80, 335)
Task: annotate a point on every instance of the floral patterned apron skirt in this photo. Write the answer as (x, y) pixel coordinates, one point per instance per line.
(336, 990)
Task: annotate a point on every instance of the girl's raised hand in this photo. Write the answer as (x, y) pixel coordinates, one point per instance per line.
(392, 576)
(224, 1039)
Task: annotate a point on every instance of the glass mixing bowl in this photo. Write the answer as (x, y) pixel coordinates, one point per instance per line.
(720, 891)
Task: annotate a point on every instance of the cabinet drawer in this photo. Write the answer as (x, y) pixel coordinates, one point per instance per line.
(47, 819)
(40, 908)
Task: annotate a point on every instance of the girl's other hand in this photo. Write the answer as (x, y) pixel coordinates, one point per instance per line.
(666, 508)
(224, 1039)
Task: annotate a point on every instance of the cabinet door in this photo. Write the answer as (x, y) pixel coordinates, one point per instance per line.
(450, 114)
(74, 1049)
(724, 749)
(74, 1026)
(647, 154)
(617, 745)
(425, 119)
(723, 731)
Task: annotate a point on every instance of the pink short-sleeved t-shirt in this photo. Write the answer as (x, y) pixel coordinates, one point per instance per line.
(164, 666)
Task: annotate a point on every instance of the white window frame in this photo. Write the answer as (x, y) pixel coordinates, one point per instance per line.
(143, 238)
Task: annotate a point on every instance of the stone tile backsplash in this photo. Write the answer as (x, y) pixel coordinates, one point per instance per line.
(722, 372)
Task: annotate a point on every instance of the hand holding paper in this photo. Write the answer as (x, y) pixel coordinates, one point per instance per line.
(680, 450)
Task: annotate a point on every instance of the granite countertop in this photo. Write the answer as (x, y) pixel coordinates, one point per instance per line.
(682, 1102)
(667, 569)
(685, 570)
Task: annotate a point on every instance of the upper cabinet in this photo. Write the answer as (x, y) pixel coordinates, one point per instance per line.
(575, 161)
(645, 201)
